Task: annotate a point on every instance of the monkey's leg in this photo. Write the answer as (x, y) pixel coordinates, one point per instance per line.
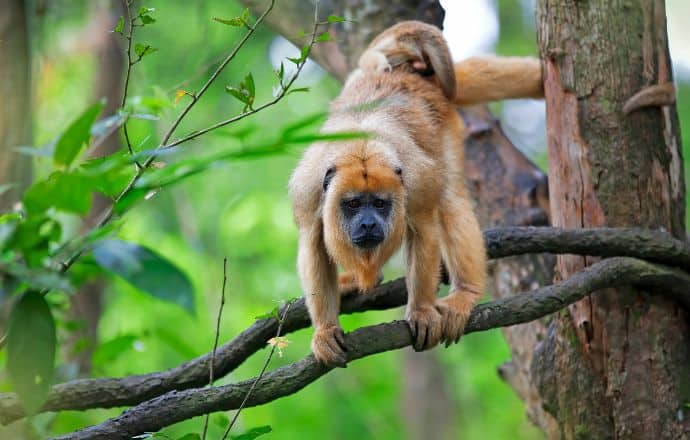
(320, 284)
(423, 260)
(463, 251)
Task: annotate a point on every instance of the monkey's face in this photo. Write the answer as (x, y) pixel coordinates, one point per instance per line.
(366, 217)
(363, 212)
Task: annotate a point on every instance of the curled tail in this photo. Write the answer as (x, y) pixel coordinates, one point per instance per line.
(492, 78)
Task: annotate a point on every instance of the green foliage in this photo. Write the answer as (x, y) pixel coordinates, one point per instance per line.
(31, 350)
(146, 270)
(239, 21)
(253, 433)
(71, 141)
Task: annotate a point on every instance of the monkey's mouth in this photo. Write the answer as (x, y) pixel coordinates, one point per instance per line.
(368, 241)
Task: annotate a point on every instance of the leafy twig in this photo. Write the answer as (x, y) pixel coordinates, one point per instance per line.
(130, 63)
(109, 213)
(215, 342)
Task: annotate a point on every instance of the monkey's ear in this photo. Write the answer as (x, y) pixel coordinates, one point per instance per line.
(327, 178)
(398, 172)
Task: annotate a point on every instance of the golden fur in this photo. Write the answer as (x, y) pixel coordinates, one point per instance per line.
(415, 129)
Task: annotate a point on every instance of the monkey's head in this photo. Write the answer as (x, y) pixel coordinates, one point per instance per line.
(363, 209)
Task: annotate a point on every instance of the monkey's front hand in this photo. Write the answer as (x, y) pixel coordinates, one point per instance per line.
(328, 345)
(455, 310)
(425, 324)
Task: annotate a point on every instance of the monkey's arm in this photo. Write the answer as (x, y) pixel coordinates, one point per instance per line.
(491, 78)
(422, 278)
(320, 284)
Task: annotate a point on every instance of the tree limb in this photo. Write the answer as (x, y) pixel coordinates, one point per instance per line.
(111, 392)
(176, 406)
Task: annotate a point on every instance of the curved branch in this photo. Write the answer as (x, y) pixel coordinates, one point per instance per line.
(176, 406)
(111, 392)
(657, 246)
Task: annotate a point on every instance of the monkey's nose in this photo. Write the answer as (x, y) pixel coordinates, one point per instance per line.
(368, 226)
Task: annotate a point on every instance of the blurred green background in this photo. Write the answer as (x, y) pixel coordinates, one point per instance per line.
(241, 211)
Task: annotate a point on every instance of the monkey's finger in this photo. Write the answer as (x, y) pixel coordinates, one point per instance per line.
(340, 339)
(337, 357)
(420, 342)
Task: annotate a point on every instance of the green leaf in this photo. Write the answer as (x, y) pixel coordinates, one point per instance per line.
(40, 278)
(298, 89)
(62, 191)
(239, 94)
(190, 436)
(335, 19)
(236, 22)
(146, 270)
(147, 19)
(108, 351)
(71, 141)
(324, 37)
(249, 84)
(253, 433)
(31, 350)
(143, 49)
(272, 314)
(120, 24)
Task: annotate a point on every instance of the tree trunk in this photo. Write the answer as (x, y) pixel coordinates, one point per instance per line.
(15, 90)
(617, 365)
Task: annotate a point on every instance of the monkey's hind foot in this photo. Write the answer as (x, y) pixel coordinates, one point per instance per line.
(455, 309)
(328, 346)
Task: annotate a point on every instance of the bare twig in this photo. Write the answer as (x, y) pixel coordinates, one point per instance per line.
(215, 341)
(261, 374)
(176, 406)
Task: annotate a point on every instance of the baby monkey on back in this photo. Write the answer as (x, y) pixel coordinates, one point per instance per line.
(357, 201)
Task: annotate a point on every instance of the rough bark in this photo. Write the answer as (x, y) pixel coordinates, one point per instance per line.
(15, 90)
(176, 406)
(618, 364)
(131, 390)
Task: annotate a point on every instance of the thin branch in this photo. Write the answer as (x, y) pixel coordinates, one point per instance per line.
(261, 374)
(109, 213)
(215, 340)
(646, 244)
(129, 38)
(131, 390)
(284, 90)
(176, 406)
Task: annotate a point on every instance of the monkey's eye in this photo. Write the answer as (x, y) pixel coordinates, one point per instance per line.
(379, 203)
(354, 203)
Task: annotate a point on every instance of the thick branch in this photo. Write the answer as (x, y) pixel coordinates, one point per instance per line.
(656, 246)
(131, 390)
(176, 406)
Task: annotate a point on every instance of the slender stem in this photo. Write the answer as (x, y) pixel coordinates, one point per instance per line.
(129, 38)
(261, 374)
(283, 91)
(109, 213)
(215, 342)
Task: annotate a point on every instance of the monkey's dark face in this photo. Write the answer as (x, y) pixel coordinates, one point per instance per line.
(366, 217)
